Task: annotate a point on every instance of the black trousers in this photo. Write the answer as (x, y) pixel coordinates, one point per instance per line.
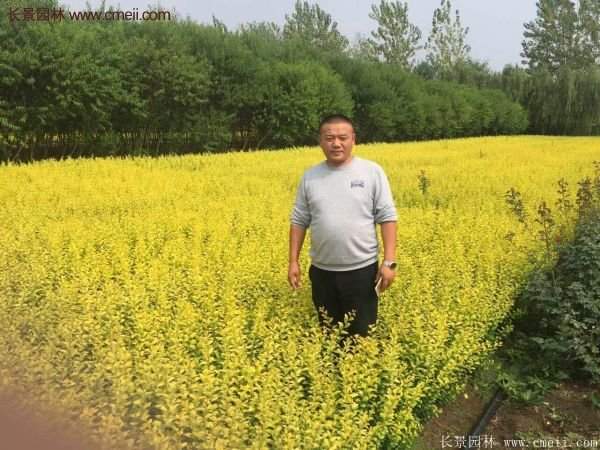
(342, 292)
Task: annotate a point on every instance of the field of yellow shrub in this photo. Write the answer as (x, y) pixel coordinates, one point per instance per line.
(149, 297)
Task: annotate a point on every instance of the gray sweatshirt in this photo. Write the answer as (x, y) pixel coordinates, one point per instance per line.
(342, 205)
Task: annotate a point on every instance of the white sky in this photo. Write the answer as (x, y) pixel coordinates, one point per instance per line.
(495, 26)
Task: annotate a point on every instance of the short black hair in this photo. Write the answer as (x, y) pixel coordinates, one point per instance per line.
(335, 118)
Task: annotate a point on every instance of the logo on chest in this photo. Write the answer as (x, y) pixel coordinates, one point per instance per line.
(357, 183)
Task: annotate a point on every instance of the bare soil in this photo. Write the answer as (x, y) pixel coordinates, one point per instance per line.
(566, 415)
(23, 429)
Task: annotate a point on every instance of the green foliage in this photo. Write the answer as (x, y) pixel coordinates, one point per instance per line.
(595, 399)
(421, 109)
(69, 89)
(446, 43)
(424, 182)
(294, 98)
(559, 89)
(395, 39)
(556, 321)
(514, 200)
(314, 26)
(567, 308)
(562, 35)
(561, 86)
(566, 101)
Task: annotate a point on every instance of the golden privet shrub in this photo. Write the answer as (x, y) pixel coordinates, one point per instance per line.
(149, 297)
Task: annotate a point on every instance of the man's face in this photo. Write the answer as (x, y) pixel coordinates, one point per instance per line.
(336, 140)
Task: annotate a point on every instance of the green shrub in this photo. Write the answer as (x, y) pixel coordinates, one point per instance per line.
(557, 314)
(564, 313)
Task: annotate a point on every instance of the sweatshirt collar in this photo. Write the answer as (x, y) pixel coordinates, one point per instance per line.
(345, 166)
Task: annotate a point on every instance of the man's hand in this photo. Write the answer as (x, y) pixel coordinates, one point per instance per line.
(294, 275)
(387, 276)
(297, 234)
(388, 234)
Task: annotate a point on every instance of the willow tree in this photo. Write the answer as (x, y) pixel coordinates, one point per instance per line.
(561, 49)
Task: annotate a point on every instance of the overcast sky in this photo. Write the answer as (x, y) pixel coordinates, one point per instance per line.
(495, 26)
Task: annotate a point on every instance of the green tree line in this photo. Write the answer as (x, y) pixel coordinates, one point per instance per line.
(104, 88)
(559, 81)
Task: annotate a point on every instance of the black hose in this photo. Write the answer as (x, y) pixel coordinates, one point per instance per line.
(486, 416)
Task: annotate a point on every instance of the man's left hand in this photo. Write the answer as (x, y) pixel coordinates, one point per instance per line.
(387, 276)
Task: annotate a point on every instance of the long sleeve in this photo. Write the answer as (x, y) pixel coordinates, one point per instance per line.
(301, 213)
(384, 209)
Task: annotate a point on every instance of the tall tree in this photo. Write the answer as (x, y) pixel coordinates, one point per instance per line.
(262, 38)
(589, 20)
(314, 26)
(396, 39)
(446, 44)
(562, 34)
(266, 29)
(363, 48)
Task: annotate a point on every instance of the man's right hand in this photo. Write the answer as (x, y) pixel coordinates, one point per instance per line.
(294, 275)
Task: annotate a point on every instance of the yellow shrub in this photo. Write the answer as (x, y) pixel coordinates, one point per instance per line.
(150, 295)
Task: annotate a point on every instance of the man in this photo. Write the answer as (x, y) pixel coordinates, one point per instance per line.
(342, 199)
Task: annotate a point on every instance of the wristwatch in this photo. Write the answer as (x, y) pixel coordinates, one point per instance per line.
(391, 264)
